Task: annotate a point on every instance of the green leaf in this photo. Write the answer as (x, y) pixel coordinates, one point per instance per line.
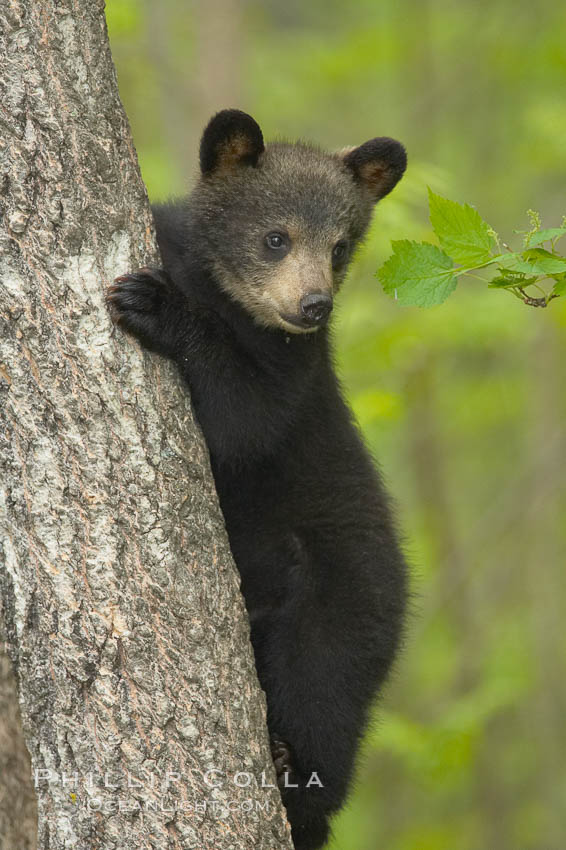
(502, 281)
(461, 231)
(560, 286)
(545, 261)
(515, 263)
(418, 273)
(533, 262)
(544, 236)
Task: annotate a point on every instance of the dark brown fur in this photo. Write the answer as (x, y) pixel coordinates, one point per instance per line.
(306, 512)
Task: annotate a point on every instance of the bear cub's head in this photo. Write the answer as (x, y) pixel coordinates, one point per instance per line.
(278, 223)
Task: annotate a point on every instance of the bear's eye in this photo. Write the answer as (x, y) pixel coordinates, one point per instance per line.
(275, 241)
(339, 252)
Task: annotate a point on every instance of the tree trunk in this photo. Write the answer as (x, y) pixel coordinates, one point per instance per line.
(120, 599)
(18, 807)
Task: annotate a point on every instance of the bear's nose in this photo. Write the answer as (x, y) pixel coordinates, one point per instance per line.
(315, 308)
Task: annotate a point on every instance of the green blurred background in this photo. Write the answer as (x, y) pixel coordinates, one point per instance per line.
(464, 404)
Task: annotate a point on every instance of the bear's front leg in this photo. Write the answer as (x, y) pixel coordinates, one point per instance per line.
(148, 306)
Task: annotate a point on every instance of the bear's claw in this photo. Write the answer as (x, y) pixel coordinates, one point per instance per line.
(282, 759)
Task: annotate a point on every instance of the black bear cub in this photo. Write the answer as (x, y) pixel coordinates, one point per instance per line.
(253, 259)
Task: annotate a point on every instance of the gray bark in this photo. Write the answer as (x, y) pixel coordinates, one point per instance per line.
(18, 808)
(120, 599)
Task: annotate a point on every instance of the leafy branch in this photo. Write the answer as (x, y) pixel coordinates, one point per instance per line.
(422, 274)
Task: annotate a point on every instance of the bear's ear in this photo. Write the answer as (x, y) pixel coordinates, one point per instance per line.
(231, 139)
(378, 165)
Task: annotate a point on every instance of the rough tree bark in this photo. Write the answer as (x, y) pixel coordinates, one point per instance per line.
(120, 600)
